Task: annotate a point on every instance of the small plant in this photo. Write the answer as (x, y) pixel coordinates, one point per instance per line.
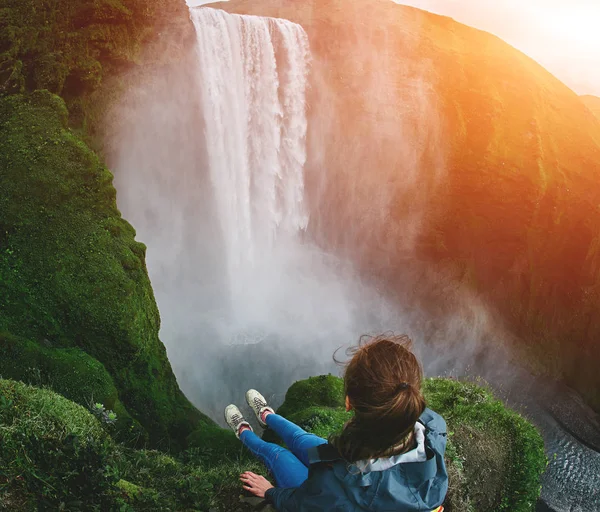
(5, 403)
(106, 416)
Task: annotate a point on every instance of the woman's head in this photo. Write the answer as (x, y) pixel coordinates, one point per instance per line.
(383, 386)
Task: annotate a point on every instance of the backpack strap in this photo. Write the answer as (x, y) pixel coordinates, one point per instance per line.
(323, 453)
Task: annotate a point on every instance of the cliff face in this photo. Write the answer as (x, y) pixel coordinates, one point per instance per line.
(72, 278)
(76, 48)
(593, 103)
(435, 145)
(77, 311)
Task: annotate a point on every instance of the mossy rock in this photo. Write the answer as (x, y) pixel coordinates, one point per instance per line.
(321, 391)
(71, 271)
(54, 454)
(499, 454)
(73, 374)
(494, 457)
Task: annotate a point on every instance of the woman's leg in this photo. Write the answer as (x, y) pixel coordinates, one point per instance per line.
(296, 439)
(283, 465)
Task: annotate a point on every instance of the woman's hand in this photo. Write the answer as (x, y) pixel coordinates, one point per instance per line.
(256, 484)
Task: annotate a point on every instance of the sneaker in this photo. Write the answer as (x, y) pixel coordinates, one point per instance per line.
(235, 420)
(259, 405)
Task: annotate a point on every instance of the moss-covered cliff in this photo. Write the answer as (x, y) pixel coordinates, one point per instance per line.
(494, 456)
(73, 278)
(81, 50)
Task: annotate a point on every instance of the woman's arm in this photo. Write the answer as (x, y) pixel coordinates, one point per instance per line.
(284, 499)
(256, 484)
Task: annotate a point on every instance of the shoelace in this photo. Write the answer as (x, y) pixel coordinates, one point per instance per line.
(259, 403)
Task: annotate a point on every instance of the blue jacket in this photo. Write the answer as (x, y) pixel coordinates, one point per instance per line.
(336, 486)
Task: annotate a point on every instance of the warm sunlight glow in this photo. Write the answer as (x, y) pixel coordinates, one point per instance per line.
(562, 35)
(578, 30)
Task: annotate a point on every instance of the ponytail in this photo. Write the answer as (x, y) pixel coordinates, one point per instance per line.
(383, 384)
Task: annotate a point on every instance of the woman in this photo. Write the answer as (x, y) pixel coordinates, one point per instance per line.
(389, 456)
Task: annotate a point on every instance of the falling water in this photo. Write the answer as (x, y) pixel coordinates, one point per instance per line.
(252, 87)
(281, 297)
(254, 75)
(209, 165)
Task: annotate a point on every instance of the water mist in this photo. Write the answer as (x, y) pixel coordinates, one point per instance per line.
(210, 162)
(211, 174)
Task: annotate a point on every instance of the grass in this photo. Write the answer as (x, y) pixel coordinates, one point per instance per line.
(53, 452)
(498, 454)
(72, 373)
(55, 455)
(190, 482)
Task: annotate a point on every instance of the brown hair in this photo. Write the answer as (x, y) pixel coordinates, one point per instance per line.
(383, 383)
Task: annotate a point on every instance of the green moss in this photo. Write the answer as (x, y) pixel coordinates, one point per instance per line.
(129, 490)
(212, 443)
(494, 456)
(71, 373)
(71, 271)
(325, 391)
(53, 453)
(68, 371)
(37, 461)
(322, 421)
(64, 45)
(82, 49)
(163, 482)
(155, 481)
(502, 451)
(316, 404)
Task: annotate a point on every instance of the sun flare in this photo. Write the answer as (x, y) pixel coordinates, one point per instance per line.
(561, 35)
(577, 30)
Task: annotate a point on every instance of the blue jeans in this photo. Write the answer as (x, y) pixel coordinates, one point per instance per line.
(289, 467)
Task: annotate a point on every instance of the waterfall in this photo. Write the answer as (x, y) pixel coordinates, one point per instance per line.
(253, 95)
(210, 169)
